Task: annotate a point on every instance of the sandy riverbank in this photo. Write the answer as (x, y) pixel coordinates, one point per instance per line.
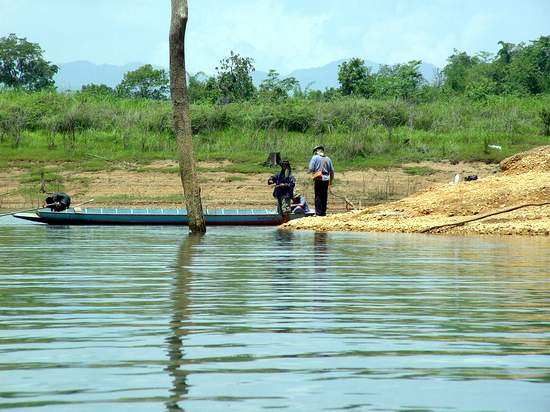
(524, 179)
(388, 200)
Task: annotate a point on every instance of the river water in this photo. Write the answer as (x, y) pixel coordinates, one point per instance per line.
(245, 319)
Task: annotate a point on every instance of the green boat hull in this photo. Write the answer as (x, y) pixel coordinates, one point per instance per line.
(178, 217)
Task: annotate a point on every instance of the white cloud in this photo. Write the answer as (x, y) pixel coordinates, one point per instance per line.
(280, 34)
(280, 37)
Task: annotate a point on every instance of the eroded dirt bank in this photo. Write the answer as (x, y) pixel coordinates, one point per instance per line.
(405, 203)
(524, 179)
(158, 185)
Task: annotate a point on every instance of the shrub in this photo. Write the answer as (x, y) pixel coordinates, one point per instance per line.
(392, 114)
(544, 115)
(209, 117)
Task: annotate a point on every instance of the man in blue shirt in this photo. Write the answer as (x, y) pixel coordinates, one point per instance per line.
(321, 163)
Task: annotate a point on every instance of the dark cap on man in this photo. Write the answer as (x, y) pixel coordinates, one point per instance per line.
(318, 148)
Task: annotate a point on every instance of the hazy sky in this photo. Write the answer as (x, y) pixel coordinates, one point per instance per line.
(280, 34)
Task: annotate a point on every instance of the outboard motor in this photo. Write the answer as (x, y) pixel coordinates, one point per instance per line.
(58, 202)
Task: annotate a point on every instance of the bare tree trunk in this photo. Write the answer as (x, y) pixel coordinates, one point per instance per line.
(182, 121)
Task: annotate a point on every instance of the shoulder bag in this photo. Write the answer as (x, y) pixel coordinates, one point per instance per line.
(318, 175)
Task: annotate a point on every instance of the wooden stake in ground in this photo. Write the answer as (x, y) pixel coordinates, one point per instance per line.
(182, 121)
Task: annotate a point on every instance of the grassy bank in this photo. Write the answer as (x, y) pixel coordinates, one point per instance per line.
(92, 130)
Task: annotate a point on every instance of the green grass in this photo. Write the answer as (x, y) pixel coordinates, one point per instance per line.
(87, 165)
(167, 170)
(419, 170)
(37, 128)
(40, 175)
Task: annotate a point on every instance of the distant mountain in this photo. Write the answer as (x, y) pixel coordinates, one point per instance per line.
(318, 78)
(321, 78)
(73, 75)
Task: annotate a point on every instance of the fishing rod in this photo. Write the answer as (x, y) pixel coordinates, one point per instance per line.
(36, 208)
(349, 205)
(24, 210)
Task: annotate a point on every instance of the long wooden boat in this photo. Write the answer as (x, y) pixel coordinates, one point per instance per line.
(117, 216)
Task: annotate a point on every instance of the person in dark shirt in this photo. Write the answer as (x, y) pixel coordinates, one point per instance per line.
(284, 187)
(58, 201)
(321, 166)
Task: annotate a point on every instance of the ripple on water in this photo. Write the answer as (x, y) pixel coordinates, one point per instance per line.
(154, 319)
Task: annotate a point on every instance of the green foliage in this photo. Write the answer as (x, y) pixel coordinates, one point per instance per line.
(480, 88)
(516, 69)
(399, 81)
(355, 78)
(234, 78)
(145, 82)
(206, 117)
(419, 170)
(458, 71)
(13, 121)
(402, 81)
(77, 118)
(357, 132)
(392, 114)
(98, 90)
(545, 117)
(233, 82)
(529, 69)
(274, 89)
(202, 89)
(289, 116)
(22, 65)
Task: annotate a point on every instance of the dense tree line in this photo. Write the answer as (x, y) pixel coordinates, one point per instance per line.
(516, 69)
(522, 69)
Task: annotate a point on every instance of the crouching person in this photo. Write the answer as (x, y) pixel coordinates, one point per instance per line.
(298, 204)
(58, 201)
(283, 191)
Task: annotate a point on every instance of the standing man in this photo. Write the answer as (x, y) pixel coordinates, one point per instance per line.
(322, 173)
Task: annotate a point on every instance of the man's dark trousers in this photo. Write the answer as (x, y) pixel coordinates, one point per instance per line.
(321, 197)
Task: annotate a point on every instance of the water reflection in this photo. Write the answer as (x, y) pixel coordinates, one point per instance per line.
(139, 319)
(284, 270)
(283, 260)
(181, 320)
(320, 253)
